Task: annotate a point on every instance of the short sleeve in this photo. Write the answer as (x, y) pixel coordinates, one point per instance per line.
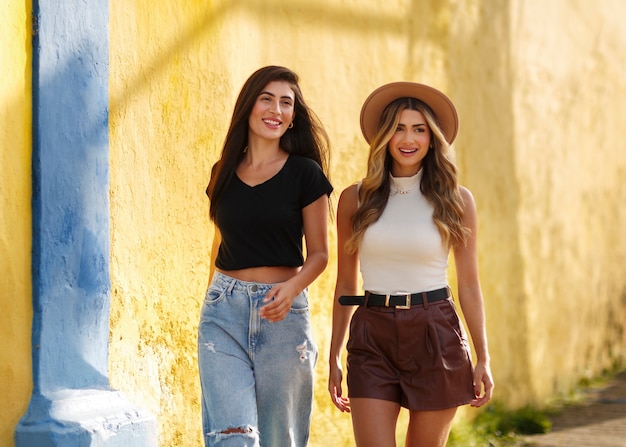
(313, 182)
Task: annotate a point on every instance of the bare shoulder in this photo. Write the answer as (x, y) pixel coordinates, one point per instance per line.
(467, 196)
(349, 194)
(469, 206)
(348, 201)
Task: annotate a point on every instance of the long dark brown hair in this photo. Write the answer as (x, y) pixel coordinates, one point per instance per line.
(307, 137)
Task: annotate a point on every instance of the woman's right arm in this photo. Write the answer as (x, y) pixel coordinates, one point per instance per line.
(217, 239)
(347, 282)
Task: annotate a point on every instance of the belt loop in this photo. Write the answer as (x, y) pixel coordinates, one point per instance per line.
(367, 298)
(425, 300)
(231, 286)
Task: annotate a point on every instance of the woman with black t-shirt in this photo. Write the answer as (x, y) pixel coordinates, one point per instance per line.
(268, 190)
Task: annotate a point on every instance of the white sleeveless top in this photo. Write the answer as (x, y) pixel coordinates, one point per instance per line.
(402, 252)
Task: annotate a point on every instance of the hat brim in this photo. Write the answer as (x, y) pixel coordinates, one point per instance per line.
(442, 107)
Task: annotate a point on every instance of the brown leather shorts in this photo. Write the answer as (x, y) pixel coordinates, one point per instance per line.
(417, 357)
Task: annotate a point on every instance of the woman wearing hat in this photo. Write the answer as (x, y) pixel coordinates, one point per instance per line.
(407, 346)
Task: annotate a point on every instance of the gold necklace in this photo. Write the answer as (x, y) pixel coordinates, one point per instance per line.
(401, 191)
(396, 182)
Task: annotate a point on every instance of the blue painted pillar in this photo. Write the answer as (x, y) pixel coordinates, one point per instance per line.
(72, 403)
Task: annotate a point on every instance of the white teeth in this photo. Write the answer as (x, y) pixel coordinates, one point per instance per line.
(272, 122)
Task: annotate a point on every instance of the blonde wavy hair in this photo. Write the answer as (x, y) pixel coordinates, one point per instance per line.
(439, 179)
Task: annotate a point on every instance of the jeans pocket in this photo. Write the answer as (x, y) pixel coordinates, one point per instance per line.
(300, 303)
(214, 294)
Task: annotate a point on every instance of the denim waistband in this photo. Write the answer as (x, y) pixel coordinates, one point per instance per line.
(230, 283)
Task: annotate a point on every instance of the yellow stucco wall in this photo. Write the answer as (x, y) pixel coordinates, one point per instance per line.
(15, 216)
(570, 165)
(536, 84)
(539, 146)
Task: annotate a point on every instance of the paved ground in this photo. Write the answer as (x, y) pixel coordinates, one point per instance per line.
(600, 421)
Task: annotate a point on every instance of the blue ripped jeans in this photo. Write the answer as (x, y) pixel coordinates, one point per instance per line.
(256, 376)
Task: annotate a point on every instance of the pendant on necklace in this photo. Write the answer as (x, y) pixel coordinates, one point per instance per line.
(400, 191)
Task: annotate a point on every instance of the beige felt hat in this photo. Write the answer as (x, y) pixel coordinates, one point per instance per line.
(373, 107)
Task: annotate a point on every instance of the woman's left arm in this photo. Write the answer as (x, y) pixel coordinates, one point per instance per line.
(315, 223)
(471, 300)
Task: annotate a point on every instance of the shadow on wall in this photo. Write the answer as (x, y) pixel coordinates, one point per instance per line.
(333, 17)
(70, 224)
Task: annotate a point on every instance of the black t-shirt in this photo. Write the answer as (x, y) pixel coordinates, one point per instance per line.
(262, 225)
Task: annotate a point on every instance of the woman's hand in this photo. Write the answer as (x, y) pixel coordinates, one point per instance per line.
(483, 385)
(334, 388)
(277, 302)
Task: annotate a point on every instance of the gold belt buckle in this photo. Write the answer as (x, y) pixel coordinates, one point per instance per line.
(407, 304)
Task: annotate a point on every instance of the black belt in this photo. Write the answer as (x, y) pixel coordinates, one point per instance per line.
(397, 301)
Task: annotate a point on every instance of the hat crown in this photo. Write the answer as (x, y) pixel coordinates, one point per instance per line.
(440, 104)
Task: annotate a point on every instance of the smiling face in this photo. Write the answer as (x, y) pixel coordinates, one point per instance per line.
(409, 144)
(273, 111)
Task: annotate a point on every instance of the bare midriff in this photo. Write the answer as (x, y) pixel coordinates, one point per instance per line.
(266, 275)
